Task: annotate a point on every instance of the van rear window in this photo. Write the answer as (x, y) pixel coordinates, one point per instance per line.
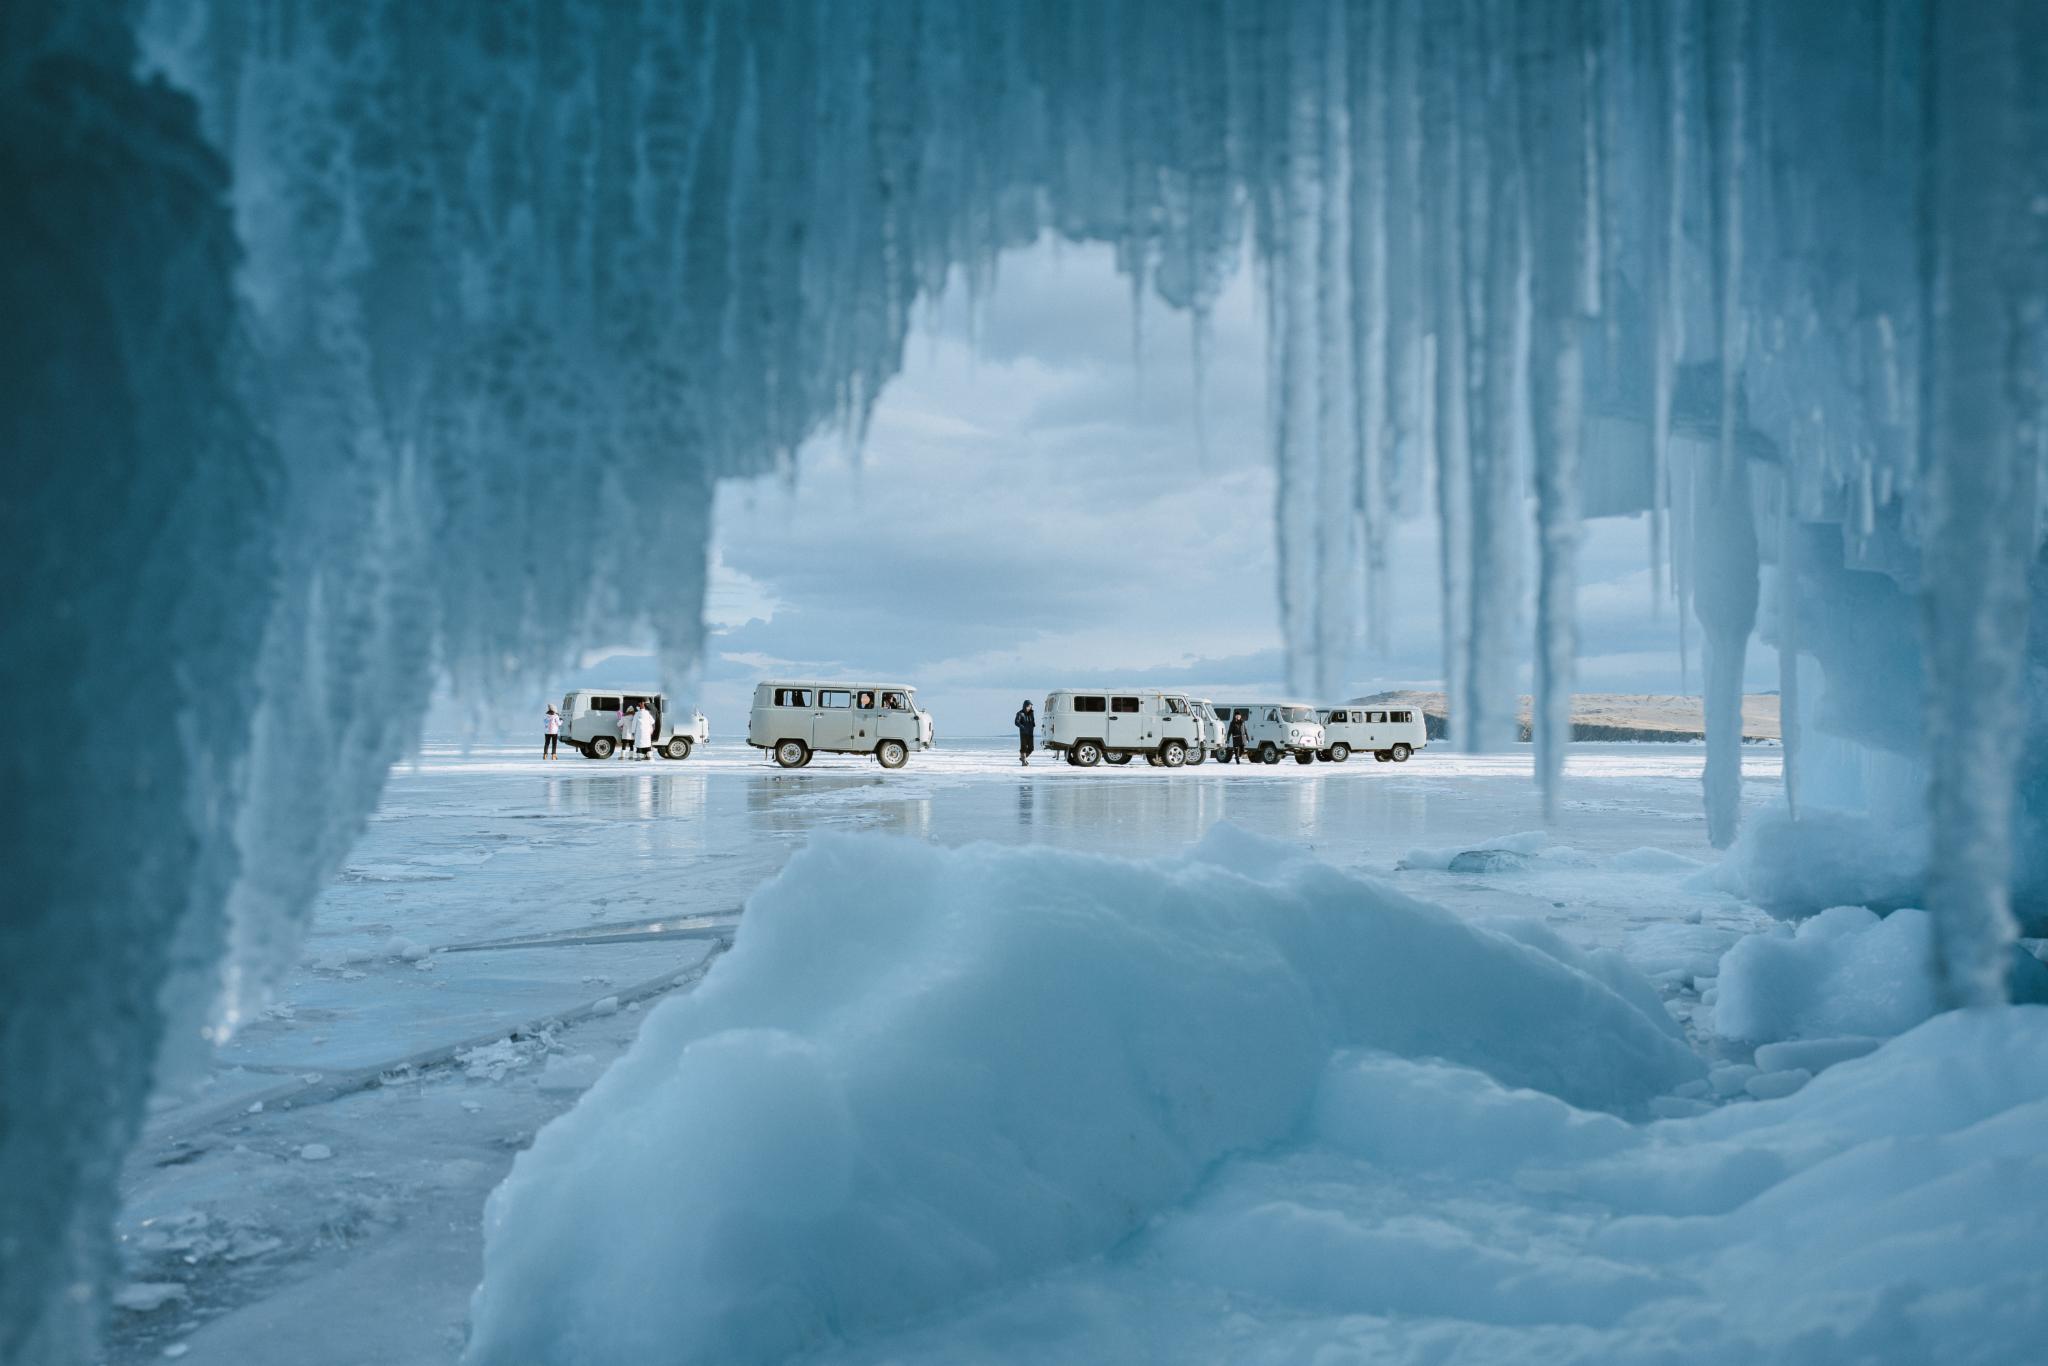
(792, 697)
(1123, 704)
(604, 704)
(1090, 704)
(1404, 716)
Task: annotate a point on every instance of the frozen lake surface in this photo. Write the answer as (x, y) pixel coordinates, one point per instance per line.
(491, 944)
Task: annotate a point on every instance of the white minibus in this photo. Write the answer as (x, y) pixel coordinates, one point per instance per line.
(794, 720)
(1089, 726)
(590, 722)
(1276, 728)
(1388, 734)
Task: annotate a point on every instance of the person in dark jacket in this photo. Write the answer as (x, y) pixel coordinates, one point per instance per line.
(1027, 731)
(1235, 754)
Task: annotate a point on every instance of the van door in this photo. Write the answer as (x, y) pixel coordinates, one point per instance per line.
(867, 718)
(1127, 725)
(832, 724)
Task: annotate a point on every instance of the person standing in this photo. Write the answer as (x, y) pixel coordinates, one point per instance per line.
(552, 734)
(1237, 736)
(625, 730)
(643, 732)
(1027, 732)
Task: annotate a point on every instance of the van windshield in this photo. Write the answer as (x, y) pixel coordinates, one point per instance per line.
(1298, 715)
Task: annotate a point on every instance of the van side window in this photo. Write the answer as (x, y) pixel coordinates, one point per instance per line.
(1272, 713)
(893, 701)
(1123, 704)
(604, 704)
(834, 697)
(1404, 716)
(792, 697)
(1090, 704)
(1176, 706)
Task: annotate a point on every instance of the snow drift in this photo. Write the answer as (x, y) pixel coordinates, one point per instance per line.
(921, 1074)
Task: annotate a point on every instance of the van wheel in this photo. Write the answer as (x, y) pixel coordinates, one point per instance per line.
(1338, 753)
(1117, 756)
(1269, 753)
(1302, 756)
(603, 747)
(1086, 753)
(1381, 755)
(1196, 755)
(676, 748)
(791, 753)
(892, 753)
(1173, 754)
(1401, 753)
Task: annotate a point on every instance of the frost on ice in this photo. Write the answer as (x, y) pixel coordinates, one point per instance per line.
(353, 343)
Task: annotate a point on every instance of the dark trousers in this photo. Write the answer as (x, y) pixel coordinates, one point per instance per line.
(549, 745)
(1026, 742)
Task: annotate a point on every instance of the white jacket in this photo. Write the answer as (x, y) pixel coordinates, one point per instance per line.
(643, 728)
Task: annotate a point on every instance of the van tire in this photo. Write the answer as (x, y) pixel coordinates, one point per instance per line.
(1401, 753)
(1302, 756)
(1173, 754)
(1086, 753)
(892, 754)
(603, 747)
(792, 753)
(676, 748)
(1196, 754)
(1382, 755)
(1117, 756)
(1338, 753)
(1269, 753)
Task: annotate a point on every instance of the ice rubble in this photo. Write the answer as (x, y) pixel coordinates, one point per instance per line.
(994, 1104)
(398, 337)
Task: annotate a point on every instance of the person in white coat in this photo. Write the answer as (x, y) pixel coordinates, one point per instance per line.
(625, 729)
(643, 732)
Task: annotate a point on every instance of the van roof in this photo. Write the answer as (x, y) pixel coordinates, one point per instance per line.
(1121, 692)
(868, 685)
(625, 689)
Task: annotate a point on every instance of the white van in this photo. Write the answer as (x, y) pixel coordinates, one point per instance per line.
(1386, 734)
(794, 720)
(590, 721)
(1272, 729)
(1091, 726)
(1213, 730)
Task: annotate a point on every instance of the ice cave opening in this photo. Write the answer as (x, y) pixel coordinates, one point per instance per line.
(312, 311)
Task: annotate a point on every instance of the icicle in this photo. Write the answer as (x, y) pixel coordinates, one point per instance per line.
(1989, 292)
(1555, 114)
(1446, 354)
(1296, 441)
(1406, 281)
(1370, 205)
(1338, 489)
(1787, 611)
(1498, 339)
(1725, 593)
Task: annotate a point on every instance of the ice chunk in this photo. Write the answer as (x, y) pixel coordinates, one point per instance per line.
(1845, 971)
(1812, 1055)
(893, 1090)
(146, 1297)
(1777, 1085)
(315, 1152)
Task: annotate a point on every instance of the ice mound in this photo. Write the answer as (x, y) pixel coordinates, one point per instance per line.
(1796, 868)
(921, 1074)
(1426, 1213)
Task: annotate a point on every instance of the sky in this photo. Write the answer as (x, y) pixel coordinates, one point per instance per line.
(1036, 507)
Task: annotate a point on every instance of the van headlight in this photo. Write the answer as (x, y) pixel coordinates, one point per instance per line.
(1294, 732)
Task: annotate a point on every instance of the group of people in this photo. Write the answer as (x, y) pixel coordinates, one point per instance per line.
(636, 726)
(1026, 722)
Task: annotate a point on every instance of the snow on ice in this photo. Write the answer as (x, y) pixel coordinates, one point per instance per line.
(1003, 1104)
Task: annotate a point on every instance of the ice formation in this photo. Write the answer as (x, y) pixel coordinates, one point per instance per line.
(1008, 1104)
(351, 343)
(923, 1073)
